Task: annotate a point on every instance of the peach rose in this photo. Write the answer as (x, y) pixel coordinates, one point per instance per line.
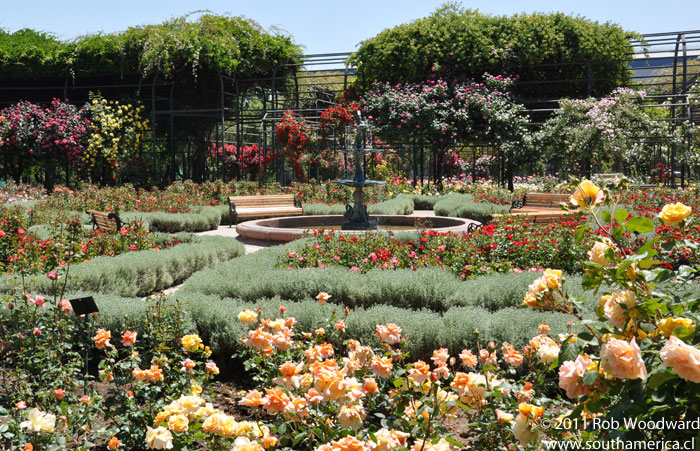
(252, 399)
(683, 359)
(348, 443)
(543, 329)
(513, 357)
(351, 416)
(390, 333)
(614, 312)
(420, 372)
(382, 366)
(623, 359)
(159, 438)
(468, 359)
(597, 253)
(128, 338)
(570, 373)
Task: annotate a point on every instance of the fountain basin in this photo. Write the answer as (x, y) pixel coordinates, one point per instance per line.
(291, 228)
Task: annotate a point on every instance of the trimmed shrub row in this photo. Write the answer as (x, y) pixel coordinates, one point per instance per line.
(463, 206)
(140, 273)
(254, 276)
(208, 218)
(215, 320)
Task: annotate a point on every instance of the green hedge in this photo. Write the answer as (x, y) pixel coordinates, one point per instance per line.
(143, 272)
(399, 205)
(207, 218)
(463, 206)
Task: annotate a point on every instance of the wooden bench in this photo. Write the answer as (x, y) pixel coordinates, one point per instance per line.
(542, 208)
(105, 222)
(262, 206)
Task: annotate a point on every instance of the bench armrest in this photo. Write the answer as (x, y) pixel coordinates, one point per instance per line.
(232, 213)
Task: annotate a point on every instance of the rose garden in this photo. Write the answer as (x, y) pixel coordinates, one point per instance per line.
(538, 328)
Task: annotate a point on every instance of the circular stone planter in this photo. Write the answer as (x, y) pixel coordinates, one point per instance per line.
(291, 228)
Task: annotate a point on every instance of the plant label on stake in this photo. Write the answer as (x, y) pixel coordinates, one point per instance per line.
(85, 306)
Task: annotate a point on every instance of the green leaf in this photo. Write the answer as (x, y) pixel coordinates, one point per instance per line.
(618, 232)
(578, 236)
(621, 215)
(639, 224)
(454, 442)
(299, 437)
(570, 350)
(589, 378)
(606, 216)
(658, 379)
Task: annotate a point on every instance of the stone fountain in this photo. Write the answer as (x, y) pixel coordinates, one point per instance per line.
(358, 144)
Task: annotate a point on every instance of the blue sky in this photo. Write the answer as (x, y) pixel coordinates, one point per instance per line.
(330, 25)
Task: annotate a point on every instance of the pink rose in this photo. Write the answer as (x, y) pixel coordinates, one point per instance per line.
(623, 359)
(682, 358)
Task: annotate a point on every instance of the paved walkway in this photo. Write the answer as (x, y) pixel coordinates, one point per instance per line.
(255, 245)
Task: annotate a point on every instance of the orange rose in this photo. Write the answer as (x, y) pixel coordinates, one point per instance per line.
(276, 400)
(323, 297)
(370, 386)
(128, 338)
(420, 372)
(102, 338)
(113, 443)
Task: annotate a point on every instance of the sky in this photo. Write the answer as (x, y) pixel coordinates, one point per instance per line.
(326, 26)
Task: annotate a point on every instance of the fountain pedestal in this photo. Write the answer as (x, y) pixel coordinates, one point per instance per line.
(356, 216)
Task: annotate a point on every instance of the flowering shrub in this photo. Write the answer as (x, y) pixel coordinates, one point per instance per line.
(661, 174)
(32, 134)
(251, 158)
(116, 136)
(511, 245)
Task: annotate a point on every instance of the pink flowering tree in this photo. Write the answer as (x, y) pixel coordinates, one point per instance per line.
(597, 135)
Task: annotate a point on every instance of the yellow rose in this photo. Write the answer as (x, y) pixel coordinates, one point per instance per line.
(248, 317)
(673, 214)
(191, 342)
(587, 193)
(178, 423)
(667, 325)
